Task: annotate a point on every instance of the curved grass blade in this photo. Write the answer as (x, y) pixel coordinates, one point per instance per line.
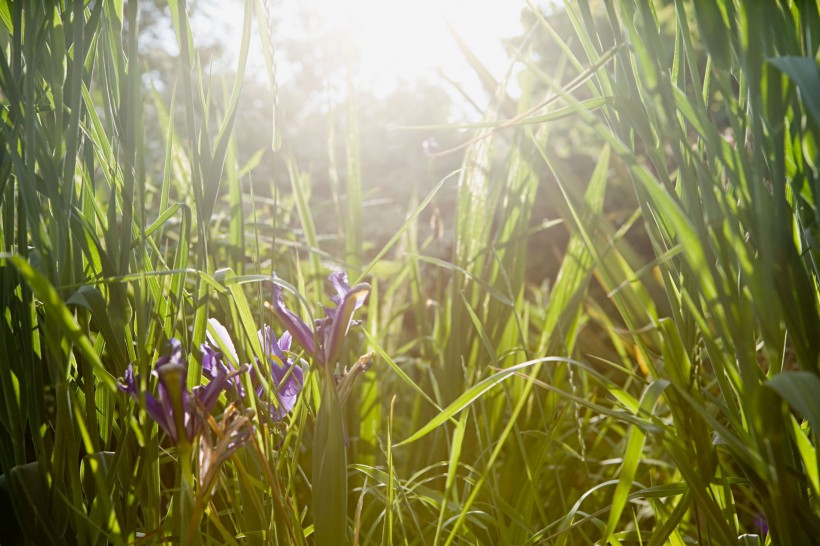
(58, 311)
(472, 394)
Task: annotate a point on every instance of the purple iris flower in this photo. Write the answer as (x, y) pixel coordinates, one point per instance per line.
(174, 407)
(288, 377)
(325, 341)
(212, 358)
(761, 524)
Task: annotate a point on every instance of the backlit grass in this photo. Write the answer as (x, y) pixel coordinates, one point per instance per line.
(660, 386)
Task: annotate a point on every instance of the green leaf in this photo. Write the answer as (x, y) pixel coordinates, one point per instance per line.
(800, 390)
(808, 453)
(632, 455)
(182, 29)
(329, 470)
(805, 74)
(213, 174)
(92, 299)
(29, 497)
(472, 394)
(711, 17)
(57, 311)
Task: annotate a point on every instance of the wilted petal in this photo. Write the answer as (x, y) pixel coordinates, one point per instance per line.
(237, 440)
(232, 431)
(236, 431)
(206, 396)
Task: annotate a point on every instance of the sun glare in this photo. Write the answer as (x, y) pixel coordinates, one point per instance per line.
(398, 40)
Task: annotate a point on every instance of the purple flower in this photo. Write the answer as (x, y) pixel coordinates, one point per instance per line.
(174, 408)
(287, 377)
(324, 342)
(761, 524)
(212, 358)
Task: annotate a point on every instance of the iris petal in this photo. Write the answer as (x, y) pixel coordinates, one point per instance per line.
(331, 330)
(341, 318)
(295, 325)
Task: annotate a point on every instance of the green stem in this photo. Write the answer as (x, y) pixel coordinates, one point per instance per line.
(184, 504)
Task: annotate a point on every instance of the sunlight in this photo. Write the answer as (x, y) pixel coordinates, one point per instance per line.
(331, 301)
(400, 41)
(393, 41)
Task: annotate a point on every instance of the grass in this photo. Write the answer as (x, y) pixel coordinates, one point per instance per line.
(662, 388)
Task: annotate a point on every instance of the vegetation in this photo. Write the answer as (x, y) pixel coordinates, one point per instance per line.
(661, 387)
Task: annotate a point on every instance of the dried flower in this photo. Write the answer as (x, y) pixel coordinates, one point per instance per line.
(233, 431)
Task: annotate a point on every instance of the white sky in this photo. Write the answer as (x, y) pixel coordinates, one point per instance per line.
(409, 38)
(405, 39)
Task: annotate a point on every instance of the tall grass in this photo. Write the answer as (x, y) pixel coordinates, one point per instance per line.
(661, 388)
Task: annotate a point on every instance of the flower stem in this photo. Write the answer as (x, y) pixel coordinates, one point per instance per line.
(188, 529)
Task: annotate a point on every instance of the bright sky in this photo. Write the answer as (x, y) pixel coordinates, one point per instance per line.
(408, 39)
